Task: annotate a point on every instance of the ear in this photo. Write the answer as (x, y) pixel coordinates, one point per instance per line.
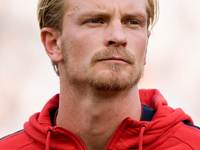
(51, 41)
(145, 53)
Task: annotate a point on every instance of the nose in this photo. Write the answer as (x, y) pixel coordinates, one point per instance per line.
(115, 36)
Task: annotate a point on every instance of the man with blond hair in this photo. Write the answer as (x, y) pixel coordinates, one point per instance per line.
(98, 49)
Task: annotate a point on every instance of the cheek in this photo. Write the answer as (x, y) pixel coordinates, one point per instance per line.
(85, 44)
(138, 45)
(78, 50)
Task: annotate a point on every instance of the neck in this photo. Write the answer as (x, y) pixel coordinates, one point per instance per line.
(95, 116)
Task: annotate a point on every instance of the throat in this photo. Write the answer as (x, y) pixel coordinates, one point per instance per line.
(92, 142)
(97, 130)
(94, 127)
(94, 119)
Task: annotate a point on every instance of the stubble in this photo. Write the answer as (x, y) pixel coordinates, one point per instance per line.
(116, 80)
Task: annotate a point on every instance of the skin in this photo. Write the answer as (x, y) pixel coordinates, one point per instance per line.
(101, 54)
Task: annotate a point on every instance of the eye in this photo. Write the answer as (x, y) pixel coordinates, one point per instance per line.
(133, 22)
(96, 21)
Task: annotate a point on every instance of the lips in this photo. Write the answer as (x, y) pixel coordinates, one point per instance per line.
(116, 58)
(113, 55)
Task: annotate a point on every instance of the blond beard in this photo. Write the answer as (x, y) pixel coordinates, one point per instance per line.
(114, 82)
(100, 81)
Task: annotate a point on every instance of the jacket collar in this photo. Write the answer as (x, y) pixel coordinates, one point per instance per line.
(130, 133)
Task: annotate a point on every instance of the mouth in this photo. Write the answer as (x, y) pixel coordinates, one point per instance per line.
(116, 59)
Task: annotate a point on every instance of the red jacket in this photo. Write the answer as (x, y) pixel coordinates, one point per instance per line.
(169, 129)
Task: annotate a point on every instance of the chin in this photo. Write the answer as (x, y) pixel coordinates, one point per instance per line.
(114, 81)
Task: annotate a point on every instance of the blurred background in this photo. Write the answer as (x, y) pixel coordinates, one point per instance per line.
(27, 79)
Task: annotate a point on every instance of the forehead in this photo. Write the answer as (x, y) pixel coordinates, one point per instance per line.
(112, 6)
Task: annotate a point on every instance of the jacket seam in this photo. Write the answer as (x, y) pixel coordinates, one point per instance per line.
(183, 142)
(164, 137)
(191, 127)
(26, 145)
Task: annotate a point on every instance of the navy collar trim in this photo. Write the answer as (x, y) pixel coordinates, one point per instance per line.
(147, 113)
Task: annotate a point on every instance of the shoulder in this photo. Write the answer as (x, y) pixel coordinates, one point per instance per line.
(192, 131)
(191, 125)
(188, 134)
(19, 140)
(182, 136)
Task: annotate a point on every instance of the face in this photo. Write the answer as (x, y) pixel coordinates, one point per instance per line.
(104, 43)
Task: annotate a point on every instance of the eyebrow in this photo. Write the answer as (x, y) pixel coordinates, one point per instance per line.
(135, 14)
(95, 14)
(105, 14)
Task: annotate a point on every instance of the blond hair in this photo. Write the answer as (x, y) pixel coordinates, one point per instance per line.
(50, 14)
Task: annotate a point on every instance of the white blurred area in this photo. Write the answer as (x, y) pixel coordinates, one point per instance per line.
(27, 79)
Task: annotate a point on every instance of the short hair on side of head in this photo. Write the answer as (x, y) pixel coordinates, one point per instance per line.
(152, 12)
(50, 14)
